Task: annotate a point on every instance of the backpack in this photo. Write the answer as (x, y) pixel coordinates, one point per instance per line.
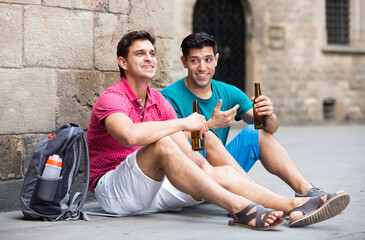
(68, 142)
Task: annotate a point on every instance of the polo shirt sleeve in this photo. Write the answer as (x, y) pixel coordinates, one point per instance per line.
(109, 103)
(167, 111)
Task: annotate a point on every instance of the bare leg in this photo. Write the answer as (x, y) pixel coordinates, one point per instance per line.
(232, 177)
(233, 181)
(273, 157)
(277, 161)
(165, 157)
(217, 154)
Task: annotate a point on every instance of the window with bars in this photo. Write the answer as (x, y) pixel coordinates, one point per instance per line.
(337, 22)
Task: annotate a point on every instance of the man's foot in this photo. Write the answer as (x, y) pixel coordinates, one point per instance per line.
(313, 192)
(257, 217)
(318, 209)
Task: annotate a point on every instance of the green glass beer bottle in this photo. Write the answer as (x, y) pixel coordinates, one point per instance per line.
(197, 143)
(259, 121)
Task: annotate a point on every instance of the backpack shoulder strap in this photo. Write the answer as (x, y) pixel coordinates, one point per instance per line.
(79, 198)
(85, 182)
(68, 138)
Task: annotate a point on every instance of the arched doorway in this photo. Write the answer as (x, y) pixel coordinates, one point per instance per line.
(225, 20)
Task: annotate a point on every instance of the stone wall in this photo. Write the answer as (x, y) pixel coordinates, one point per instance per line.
(57, 57)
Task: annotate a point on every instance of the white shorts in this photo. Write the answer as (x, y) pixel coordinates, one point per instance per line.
(126, 190)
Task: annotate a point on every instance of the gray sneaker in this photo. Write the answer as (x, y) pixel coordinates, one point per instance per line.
(313, 192)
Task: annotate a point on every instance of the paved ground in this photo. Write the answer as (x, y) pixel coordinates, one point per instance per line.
(332, 157)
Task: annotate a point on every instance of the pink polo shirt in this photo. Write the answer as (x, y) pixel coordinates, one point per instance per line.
(106, 153)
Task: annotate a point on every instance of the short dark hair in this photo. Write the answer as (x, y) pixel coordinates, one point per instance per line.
(126, 42)
(198, 41)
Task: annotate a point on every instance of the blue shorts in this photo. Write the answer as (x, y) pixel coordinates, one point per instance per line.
(244, 147)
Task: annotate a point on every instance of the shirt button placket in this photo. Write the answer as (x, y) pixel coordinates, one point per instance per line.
(140, 107)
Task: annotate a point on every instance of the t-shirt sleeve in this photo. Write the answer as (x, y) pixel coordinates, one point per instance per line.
(240, 98)
(109, 103)
(167, 94)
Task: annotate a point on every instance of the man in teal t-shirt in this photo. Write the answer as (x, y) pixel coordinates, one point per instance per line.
(222, 103)
(182, 99)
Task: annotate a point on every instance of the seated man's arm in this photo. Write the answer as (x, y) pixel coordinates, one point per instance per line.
(121, 127)
(187, 135)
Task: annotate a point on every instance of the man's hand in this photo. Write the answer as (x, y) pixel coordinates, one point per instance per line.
(264, 106)
(196, 122)
(221, 119)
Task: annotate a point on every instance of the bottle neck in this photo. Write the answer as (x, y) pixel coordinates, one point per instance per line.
(257, 90)
(196, 106)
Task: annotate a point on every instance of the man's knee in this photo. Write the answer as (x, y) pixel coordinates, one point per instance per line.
(164, 146)
(221, 173)
(265, 136)
(152, 158)
(212, 139)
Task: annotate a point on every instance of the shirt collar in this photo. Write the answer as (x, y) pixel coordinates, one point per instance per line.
(131, 95)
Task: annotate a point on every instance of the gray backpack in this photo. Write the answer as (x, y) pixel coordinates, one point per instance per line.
(69, 142)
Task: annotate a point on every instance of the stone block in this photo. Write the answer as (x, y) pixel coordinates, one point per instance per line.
(11, 36)
(359, 76)
(164, 62)
(51, 41)
(11, 157)
(353, 113)
(118, 6)
(38, 2)
(340, 115)
(28, 100)
(29, 143)
(311, 109)
(154, 16)
(107, 80)
(77, 93)
(109, 29)
(16, 151)
(99, 5)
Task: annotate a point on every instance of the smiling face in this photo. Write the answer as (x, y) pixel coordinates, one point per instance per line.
(140, 63)
(200, 64)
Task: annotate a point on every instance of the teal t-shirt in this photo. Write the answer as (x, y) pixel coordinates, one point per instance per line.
(181, 98)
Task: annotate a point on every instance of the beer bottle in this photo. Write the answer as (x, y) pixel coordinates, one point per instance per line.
(197, 143)
(259, 120)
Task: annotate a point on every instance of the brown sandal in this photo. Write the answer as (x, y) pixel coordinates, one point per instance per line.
(242, 219)
(315, 210)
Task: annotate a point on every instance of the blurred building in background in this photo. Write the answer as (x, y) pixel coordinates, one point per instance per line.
(309, 55)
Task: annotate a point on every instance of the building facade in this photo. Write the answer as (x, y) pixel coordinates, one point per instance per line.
(294, 48)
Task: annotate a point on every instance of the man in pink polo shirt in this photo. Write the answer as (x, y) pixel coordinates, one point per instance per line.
(141, 161)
